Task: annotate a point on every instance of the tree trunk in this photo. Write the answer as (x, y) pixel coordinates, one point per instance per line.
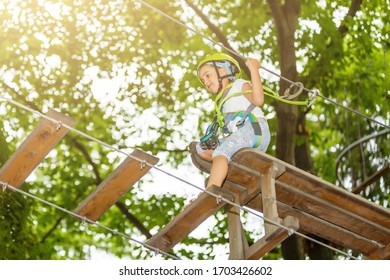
(286, 18)
(303, 158)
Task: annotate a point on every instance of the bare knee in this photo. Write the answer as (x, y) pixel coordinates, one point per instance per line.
(207, 155)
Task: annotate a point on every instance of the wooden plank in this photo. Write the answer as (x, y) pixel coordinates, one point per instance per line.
(116, 185)
(322, 228)
(35, 148)
(189, 219)
(267, 243)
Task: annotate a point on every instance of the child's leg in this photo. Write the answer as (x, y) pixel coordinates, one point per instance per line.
(218, 171)
(223, 153)
(219, 167)
(206, 154)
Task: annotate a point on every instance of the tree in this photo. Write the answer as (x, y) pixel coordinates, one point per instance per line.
(57, 55)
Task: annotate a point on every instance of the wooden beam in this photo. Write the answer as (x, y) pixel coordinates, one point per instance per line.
(237, 236)
(35, 148)
(270, 241)
(380, 254)
(189, 219)
(309, 223)
(269, 198)
(336, 196)
(116, 185)
(311, 202)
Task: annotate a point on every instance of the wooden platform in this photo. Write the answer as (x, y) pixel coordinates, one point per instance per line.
(321, 208)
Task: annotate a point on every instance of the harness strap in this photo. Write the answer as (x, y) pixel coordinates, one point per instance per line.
(244, 115)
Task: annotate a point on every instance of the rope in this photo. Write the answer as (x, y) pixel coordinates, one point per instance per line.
(218, 197)
(85, 219)
(314, 93)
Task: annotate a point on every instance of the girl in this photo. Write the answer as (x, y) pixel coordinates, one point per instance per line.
(237, 112)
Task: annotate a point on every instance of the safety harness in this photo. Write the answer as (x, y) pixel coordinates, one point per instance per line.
(210, 139)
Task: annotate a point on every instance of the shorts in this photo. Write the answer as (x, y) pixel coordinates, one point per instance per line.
(242, 138)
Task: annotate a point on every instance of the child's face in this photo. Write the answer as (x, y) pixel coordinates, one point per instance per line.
(209, 77)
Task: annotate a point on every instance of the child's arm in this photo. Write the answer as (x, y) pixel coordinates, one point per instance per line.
(257, 95)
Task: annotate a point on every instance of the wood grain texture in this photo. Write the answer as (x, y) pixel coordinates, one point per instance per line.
(35, 148)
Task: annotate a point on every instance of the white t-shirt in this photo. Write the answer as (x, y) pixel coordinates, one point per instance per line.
(239, 103)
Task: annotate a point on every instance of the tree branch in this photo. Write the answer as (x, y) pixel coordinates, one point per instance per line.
(353, 9)
(133, 219)
(20, 97)
(120, 205)
(221, 37)
(343, 29)
(88, 158)
(51, 230)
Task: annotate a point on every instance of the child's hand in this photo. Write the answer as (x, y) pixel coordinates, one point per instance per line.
(253, 64)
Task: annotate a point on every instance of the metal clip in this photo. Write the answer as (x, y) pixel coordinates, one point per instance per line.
(58, 125)
(84, 222)
(289, 96)
(312, 98)
(142, 164)
(5, 186)
(219, 199)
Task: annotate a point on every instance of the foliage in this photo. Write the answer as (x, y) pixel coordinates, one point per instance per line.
(127, 75)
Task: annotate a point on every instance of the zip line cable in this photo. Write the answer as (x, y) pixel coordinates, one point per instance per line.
(314, 93)
(354, 111)
(143, 162)
(6, 186)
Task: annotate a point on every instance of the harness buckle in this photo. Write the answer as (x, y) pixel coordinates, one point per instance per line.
(312, 98)
(210, 143)
(210, 140)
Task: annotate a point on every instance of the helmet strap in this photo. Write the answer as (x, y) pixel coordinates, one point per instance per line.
(220, 78)
(220, 85)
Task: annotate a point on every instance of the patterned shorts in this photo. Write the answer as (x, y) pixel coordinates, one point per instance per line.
(242, 138)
